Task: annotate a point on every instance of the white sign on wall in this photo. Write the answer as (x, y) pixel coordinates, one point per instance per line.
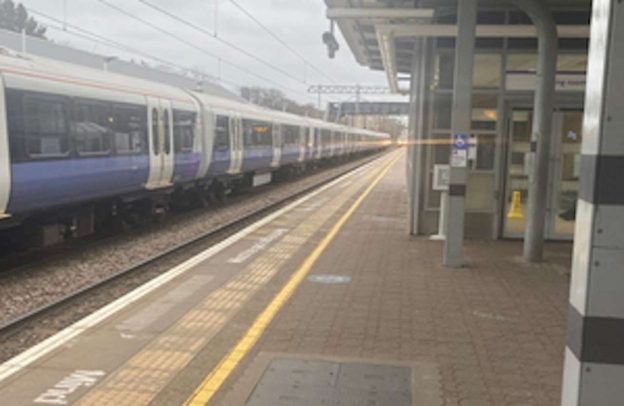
(459, 150)
(441, 178)
(566, 81)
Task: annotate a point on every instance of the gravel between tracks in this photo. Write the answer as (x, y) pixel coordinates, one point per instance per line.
(42, 283)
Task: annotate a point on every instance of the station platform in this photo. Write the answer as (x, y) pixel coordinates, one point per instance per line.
(325, 302)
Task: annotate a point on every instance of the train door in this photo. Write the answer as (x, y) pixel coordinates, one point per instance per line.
(277, 145)
(303, 141)
(310, 143)
(319, 142)
(5, 159)
(236, 145)
(160, 135)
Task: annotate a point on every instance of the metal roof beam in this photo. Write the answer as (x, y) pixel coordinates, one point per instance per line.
(378, 13)
(483, 31)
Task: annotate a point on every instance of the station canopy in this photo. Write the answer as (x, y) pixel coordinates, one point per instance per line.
(381, 33)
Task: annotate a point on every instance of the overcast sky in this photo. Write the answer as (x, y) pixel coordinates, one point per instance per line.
(299, 23)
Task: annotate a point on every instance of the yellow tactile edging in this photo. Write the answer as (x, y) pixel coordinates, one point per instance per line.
(144, 375)
(215, 379)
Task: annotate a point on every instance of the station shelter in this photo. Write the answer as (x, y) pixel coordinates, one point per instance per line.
(515, 132)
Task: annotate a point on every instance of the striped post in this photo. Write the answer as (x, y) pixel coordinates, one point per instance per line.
(594, 359)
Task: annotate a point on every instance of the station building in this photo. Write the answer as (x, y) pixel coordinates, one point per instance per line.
(419, 48)
(517, 104)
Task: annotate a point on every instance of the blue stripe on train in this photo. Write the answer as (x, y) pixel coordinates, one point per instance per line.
(220, 162)
(186, 167)
(290, 155)
(41, 185)
(257, 159)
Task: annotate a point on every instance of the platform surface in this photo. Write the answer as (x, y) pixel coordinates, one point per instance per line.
(329, 291)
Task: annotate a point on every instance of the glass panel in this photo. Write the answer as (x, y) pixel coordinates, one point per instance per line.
(183, 130)
(442, 111)
(571, 140)
(93, 127)
(444, 71)
(441, 150)
(521, 62)
(222, 133)
(45, 122)
(572, 62)
(484, 111)
(565, 62)
(130, 130)
(480, 192)
(487, 71)
(518, 171)
(155, 135)
(486, 152)
(257, 133)
(167, 131)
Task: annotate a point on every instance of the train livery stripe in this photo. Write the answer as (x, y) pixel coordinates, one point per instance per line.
(45, 184)
(94, 85)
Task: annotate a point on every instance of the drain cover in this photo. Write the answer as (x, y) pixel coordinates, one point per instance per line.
(305, 382)
(330, 279)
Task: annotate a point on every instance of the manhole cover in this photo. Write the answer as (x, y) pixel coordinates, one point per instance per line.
(330, 279)
(307, 382)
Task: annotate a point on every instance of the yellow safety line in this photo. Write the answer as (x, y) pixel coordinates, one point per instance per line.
(212, 383)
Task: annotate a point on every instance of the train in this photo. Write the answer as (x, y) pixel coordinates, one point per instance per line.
(79, 146)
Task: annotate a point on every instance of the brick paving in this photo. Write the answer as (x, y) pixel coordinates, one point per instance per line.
(495, 330)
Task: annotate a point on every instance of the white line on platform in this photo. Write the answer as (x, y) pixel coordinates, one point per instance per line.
(50, 344)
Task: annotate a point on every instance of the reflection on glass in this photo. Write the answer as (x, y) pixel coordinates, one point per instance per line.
(571, 139)
(518, 180)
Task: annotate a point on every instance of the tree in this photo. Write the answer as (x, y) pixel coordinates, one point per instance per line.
(16, 19)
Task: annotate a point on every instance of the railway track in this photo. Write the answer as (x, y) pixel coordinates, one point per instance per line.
(18, 329)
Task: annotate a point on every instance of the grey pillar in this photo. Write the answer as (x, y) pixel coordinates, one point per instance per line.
(462, 122)
(594, 358)
(415, 135)
(542, 125)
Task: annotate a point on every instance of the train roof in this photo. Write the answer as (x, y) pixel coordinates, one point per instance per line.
(29, 72)
(36, 73)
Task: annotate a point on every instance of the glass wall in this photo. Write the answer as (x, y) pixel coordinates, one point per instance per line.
(489, 157)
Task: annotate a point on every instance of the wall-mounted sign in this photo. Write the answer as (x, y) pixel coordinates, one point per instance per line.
(459, 150)
(441, 177)
(567, 81)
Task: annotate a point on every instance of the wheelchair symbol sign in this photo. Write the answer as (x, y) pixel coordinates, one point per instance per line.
(459, 155)
(460, 142)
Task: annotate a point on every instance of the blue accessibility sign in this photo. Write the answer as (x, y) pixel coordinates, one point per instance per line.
(460, 142)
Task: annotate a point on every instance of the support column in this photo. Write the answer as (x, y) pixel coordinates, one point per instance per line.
(415, 135)
(594, 358)
(542, 125)
(462, 122)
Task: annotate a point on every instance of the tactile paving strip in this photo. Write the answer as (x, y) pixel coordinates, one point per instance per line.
(324, 383)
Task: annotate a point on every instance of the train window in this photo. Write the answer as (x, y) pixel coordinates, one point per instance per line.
(222, 133)
(45, 124)
(326, 137)
(291, 135)
(130, 126)
(167, 130)
(183, 130)
(92, 127)
(15, 123)
(304, 137)
(257, 133)
(155, 132)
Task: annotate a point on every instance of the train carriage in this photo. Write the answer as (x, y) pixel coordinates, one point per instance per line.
(74, 138)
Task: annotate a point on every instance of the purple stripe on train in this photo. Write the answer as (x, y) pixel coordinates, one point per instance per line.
(42, 185)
